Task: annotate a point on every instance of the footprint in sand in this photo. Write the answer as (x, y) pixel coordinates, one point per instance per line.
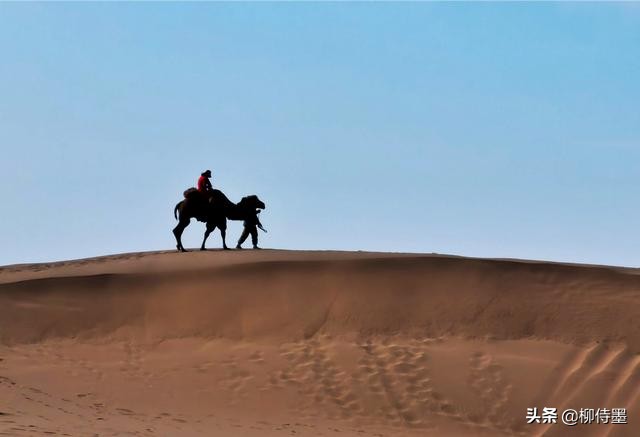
(486, 379)
(236, 382)
(399, 376)
(314, 374)
(256, 357)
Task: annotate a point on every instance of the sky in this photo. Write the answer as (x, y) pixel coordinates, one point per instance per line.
(485, 130)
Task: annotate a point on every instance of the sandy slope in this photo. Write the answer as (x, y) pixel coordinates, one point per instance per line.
(280, 343)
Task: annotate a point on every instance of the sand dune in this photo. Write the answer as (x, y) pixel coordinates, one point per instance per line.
(314, 343)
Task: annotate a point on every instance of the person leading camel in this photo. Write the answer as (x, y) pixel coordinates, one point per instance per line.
(251, 224)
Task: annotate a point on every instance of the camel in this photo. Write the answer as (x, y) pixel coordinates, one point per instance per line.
(214, 209)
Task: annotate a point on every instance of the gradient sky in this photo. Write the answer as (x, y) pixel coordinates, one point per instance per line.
(497, 130)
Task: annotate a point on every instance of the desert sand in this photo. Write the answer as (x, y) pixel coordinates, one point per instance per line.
(282, 343)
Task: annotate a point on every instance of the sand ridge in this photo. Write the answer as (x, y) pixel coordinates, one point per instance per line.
(303, 343)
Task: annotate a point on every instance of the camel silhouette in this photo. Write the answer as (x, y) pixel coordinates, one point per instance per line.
(213, 210)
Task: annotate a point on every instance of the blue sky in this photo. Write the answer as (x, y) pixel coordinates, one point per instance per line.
(498, 130)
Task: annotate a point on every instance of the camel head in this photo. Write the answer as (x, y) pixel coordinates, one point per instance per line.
(253, 202)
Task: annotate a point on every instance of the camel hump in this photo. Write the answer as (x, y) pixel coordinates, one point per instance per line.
(219, 196)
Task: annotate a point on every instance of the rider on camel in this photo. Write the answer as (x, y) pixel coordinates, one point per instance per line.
(204, 184)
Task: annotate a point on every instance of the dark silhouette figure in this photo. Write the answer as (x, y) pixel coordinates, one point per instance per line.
(204, 184)
(251, 225)
(213, 208)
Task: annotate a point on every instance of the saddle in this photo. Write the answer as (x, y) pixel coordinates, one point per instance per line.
(201, 199)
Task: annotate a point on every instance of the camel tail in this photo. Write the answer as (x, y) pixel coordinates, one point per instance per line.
(175, 210)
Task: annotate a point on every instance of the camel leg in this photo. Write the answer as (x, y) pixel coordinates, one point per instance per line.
(243, 236)
(177, 232)
(210, 228)
(223, 233)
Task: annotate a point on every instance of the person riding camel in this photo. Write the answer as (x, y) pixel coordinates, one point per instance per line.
(204, 184)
